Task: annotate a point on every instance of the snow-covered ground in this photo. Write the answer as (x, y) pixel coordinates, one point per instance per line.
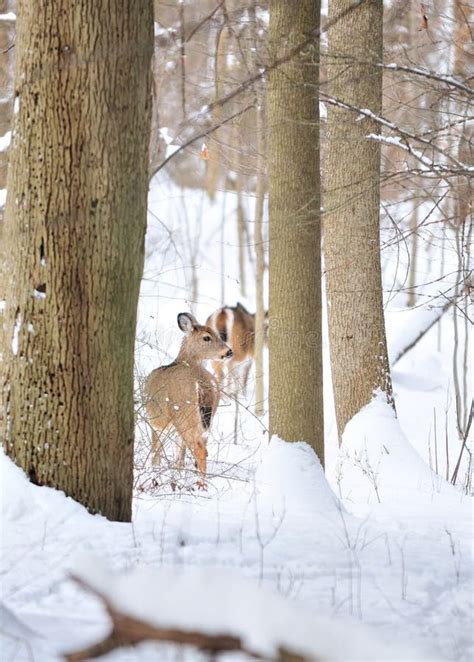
(371, 560)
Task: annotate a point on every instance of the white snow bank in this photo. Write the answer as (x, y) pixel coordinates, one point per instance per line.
(18, 640)
(19, 498)
(220, 601)
(378, 462)
(5, 141)
(292, 473)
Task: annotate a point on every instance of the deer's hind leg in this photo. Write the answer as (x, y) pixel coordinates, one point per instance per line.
(194, 438)
(181, 454)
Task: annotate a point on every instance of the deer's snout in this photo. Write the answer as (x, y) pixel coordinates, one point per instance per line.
(228, 354)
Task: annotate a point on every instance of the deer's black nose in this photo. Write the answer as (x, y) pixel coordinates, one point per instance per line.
(229, 354)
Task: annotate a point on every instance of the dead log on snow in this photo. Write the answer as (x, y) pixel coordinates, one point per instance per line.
(129, 631)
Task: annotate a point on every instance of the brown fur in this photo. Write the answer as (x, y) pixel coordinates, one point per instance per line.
(184, 395)
(235, 326)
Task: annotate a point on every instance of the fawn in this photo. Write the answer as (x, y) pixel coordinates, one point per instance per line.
(183, 394)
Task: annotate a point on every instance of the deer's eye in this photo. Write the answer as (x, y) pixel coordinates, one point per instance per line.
(207, 338)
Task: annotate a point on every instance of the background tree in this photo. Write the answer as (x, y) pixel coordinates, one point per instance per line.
(296, 395)
(75, 224)
(359, 360)
(7, 51)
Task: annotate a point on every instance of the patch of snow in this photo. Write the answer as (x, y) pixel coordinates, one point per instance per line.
(16, 334)
(5, 141)
(263, 619)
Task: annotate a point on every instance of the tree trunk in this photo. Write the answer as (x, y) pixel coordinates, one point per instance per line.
(411, 298)
(260, 262)
(241, 235)
(359, 360)
(296, 396)
(261, 173)
(75, 224)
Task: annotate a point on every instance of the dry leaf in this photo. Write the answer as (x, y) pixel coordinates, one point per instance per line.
(424, 20)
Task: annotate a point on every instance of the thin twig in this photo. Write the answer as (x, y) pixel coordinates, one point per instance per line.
(204, 134)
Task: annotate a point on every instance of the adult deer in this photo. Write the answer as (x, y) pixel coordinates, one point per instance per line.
(236, 327)
(183, 394)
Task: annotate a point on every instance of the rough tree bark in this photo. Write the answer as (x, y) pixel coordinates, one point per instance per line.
(75, 225)
(296, 396)
(359, 360)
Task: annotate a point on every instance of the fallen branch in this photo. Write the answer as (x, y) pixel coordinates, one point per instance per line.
(434, 320)
(129, 631)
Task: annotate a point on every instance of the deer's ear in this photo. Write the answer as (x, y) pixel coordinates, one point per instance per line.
(186, 322)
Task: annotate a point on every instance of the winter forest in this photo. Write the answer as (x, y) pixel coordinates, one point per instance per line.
(236, 367)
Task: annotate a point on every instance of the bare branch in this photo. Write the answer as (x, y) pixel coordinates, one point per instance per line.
(441, 168)
(204, 20)
(201, 135)
(423, 332)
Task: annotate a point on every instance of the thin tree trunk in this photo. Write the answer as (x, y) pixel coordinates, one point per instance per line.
(296, 395)
(220, 68)
(359, 360)
(411, 299)
(241, 237)
(223, 269)
(182, 48)
(258, 231)
(260, 263)
(75, 225)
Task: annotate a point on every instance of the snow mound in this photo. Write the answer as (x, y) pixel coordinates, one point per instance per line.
(220, 601)
(19, 498)
(378, 461)
(292, 473)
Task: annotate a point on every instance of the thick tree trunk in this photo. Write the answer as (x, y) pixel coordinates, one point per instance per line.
(75, 224)
(296, 396)
(359, 360)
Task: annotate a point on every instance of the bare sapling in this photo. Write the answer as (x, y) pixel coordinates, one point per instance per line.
(184, 395)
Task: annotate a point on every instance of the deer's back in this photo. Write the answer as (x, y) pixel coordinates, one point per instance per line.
(180, 391)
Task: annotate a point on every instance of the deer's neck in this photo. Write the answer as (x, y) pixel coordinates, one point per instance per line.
(185, 357)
